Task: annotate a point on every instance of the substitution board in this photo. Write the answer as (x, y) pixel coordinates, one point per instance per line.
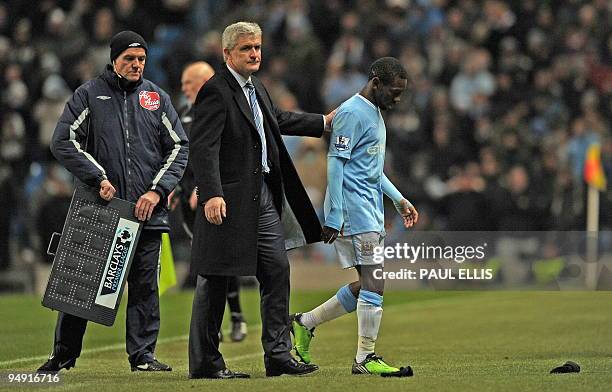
(93, 258)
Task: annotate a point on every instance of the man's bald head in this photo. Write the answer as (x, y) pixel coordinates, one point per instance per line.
(194, 77)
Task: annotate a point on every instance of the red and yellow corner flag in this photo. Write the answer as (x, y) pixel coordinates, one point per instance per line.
(167, 275)
(593, 170)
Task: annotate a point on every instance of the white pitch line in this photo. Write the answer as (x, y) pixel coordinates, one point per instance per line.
(80, 385)
(159, 341)
(110, 347)
(119, 346)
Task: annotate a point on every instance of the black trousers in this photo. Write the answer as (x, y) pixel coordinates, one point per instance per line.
(233, 298)
(211, 290)
(142, 321)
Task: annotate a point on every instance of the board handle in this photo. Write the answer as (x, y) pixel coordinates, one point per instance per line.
(50, 246)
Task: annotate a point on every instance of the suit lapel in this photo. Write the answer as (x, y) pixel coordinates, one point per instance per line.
(263, 104)
(244, 106)
(238, 95)
(269, 120)
(265, 107)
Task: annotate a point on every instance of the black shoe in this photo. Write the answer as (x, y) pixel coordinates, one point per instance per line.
(239, 331)
(224, 374)
(153, 366)
(291, 367)
(54, 365)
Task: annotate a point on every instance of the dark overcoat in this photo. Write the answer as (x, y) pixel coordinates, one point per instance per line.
(225, 154)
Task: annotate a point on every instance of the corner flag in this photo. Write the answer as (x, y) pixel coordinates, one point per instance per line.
(167, 275)
(593, 170)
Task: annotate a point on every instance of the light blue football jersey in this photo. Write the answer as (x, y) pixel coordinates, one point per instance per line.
(358, 137)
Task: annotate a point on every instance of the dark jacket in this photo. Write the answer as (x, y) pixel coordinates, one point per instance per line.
(186, 184)
(129, 135)
(185, 187)
(226, 161)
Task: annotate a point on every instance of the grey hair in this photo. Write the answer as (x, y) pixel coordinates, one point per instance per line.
(234, 31)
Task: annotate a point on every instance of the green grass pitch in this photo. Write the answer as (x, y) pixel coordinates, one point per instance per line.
(455, 341)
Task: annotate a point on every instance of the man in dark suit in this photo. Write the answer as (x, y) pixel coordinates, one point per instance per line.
(194, 76)
(252, 205)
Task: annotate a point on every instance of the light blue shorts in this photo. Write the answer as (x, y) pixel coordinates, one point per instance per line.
(358, 249)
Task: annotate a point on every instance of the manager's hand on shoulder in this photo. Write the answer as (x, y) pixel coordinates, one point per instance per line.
(214, 210)
(145, 205)
(329, 118)
(107, 190)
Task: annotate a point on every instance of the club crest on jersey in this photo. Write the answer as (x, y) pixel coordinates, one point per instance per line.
(367, 249)
(377, 149)
(342, 143)
(149, 100)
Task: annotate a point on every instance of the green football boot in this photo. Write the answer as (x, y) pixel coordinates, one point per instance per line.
(373, 364)
(302, 337)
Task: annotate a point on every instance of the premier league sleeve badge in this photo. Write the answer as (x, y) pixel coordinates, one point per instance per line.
(342, 143)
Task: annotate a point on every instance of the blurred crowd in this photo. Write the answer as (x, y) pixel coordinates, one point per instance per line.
(504, 97)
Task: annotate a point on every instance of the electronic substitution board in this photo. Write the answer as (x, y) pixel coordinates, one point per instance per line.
(93, 258)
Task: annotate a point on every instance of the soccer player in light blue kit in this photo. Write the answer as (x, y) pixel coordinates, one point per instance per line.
(354, 209)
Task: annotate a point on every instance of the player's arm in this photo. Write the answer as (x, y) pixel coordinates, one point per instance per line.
(409, 214)
(334, 218)
(346, 128)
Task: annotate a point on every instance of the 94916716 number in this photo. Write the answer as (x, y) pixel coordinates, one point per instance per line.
(29, 378)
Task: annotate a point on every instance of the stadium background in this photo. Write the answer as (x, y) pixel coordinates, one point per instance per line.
(504, 99)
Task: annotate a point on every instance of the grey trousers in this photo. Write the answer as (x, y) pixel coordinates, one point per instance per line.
(210, 294)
